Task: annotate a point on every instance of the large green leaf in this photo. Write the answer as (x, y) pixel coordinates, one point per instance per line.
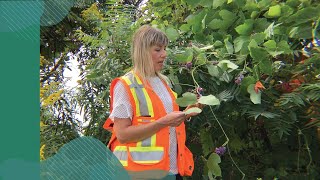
(241, 43)
(254, 97)
(245, 28)
(209, 100)
(201, 58)
(193, 110)
(192, 3)
(274, 11)
(217, 3)
(184, 56)
(246, 82)
(229, 46)
(259, 37)
(213, 164)
(270, 44)
(187, 99)
(216, 24)
(205, 3)
(214, 70)
(258, 53)
(172, 34)
(230, 65)
(265, 66)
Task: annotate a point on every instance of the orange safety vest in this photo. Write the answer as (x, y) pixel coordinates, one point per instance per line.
(151, 153)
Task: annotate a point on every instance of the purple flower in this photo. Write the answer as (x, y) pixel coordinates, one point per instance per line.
(189, 65)
(199, 91)
(239, 78)
(220, 150)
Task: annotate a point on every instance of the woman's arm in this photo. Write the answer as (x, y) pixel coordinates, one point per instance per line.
(127, 133)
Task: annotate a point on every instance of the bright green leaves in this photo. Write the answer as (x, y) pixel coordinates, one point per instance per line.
(246, 82)
(187, 99)
(245, 28)
(172, 34)
(214, 71)
(241, 44)
(209, 100)
(184, 56)
(217, 3)
(227, 65)
(255, 97)
(275, 49)
(201, 58)
(213, 164)
(229, 46)
(227, 17)
(197, 21)
(261, 57)
(274, 11)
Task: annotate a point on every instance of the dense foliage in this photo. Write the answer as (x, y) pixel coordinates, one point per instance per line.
(255, 63)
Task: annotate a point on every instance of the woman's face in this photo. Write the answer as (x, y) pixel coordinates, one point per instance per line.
(158, 55)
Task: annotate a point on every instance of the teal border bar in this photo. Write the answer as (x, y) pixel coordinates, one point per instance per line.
(19, 73)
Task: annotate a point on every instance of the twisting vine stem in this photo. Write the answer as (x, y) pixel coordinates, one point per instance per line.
(226, 144)
(299, 151)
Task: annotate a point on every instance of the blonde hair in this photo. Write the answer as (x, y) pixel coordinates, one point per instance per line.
(143, 39)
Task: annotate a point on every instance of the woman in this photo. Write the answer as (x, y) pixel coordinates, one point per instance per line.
(148, 128)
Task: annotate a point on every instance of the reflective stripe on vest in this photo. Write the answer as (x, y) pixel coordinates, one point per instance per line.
(146, 154)
(145, 151)
(121, 153)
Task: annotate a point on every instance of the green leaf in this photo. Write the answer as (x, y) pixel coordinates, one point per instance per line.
(198, 24)
(193, 110)
(206, 3)
(185, 56)
(258, 53)
(225, 77)
(192, 3)
(229, 64)
(270, 44)
(274, 11)
(227, 15)
(275, 53)
(254, 97)
(246, 82)
(229, 46)
(187, 99)
(201, 59)
(213, 164)
(284, 46)
(214, 158)
(216, 24)
(245, 28)
(265, 66)
(259, 37)
(209, 100)
(241, 42)
(185, 27)
(172, 34)
(217, 3)
(213, 70)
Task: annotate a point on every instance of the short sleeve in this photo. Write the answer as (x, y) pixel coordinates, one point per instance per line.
(121, 103)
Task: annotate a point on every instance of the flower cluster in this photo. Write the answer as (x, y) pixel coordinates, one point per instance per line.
(220, 150)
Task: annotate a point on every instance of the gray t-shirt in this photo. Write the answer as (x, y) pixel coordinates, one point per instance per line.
(122, 109)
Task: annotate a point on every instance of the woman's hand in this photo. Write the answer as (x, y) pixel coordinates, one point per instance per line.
(173, 119)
